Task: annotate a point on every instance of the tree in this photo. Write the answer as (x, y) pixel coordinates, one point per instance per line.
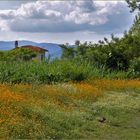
(67, 52)
(134, 4)
(77, 42)
(135, 66)
(135, 29)
(117, 61)
(81, 50)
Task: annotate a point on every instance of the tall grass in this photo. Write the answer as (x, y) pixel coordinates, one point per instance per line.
(56, 71)
(53, 72)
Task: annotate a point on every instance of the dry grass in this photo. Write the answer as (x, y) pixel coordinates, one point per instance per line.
(50, 111)
(105, 84)
(8, 96)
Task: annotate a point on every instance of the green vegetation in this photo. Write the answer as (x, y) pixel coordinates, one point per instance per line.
(114, 55)
(116, 58)
(90, 93)
(18, 54)
(54, 72)
(133, 4)
(103, 109)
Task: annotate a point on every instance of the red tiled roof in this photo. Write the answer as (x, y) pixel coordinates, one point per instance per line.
(34, 48)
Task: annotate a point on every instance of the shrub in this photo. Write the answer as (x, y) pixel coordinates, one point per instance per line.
(135, 67)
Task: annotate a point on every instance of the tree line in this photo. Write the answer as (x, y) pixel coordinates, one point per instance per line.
(115, 54)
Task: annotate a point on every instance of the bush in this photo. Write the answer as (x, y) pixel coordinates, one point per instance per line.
(135, 67)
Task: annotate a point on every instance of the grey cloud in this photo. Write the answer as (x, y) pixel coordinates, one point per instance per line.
(61, 16)
(43, 26)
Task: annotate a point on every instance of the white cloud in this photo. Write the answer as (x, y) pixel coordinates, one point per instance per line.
(3, 25)
(39, 16)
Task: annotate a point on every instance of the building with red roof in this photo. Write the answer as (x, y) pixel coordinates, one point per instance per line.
(38, 50)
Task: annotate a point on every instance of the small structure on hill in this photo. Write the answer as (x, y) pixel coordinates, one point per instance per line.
(16, 44)
(40, 52)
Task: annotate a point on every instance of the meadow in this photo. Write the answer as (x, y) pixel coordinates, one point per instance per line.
(91, 92)
(95, 109)
(69, 98)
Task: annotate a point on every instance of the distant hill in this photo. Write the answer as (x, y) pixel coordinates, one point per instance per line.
(54, 50)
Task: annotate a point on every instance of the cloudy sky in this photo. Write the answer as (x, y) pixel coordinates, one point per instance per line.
(63, 21)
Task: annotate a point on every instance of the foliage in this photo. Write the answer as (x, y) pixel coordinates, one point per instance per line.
(53, 72)
(67, 52)
(133, 4)
(117, 61)
(115, 55)
(18, 54)
(116, 58)
(56, 71)
(135, 67)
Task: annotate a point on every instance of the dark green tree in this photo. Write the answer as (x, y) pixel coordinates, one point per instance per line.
(134, 4)
(67, 52)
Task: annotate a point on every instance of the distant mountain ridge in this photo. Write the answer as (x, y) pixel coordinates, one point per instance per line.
(54, 50)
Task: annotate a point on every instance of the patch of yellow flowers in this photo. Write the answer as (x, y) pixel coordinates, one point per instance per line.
(58, 94)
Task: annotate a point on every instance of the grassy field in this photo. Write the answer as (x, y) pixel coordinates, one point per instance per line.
(99, 109)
